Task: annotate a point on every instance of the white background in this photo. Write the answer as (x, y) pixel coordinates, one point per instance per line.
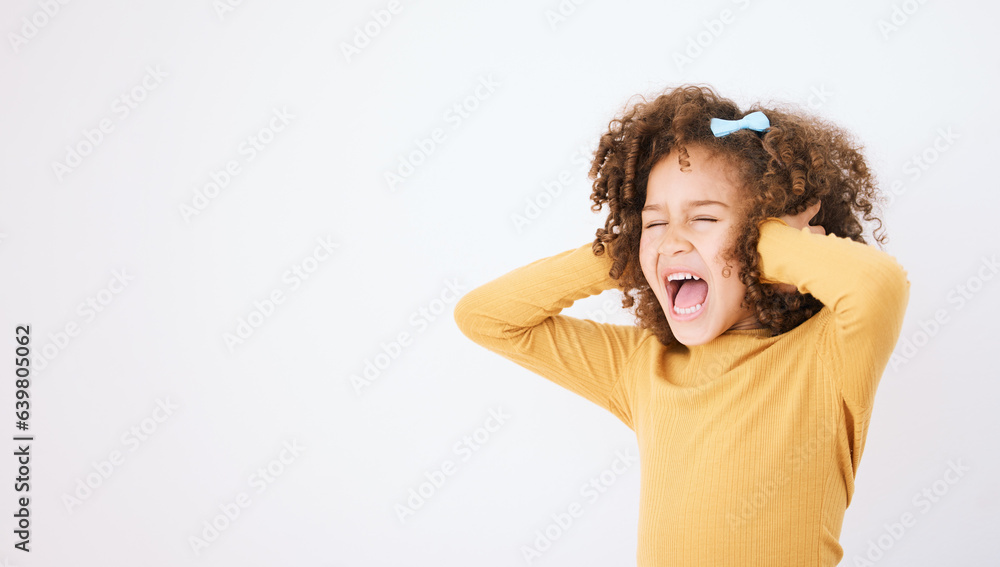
(558, 81)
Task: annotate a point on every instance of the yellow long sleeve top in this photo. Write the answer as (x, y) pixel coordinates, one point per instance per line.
(749, 444)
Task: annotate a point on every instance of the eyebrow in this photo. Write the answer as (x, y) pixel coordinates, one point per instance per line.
(687, 205)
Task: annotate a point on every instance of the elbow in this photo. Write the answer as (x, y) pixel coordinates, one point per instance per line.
(482, 317)
(465, 314)
(472, 316)
(890, 288)
(897, 280)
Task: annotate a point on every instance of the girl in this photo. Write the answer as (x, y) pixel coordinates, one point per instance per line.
(764, 323)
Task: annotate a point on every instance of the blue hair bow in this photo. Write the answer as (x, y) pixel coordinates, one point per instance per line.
(753, 121)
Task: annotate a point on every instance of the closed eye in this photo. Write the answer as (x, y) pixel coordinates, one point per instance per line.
(651, 225)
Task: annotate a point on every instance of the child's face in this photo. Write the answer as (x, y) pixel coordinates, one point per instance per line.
(690, 236)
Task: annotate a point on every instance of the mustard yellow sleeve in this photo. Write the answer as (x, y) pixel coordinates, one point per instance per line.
(517, 316)
(866, 289)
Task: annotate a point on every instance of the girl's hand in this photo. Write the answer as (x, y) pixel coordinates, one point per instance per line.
(799, 222)
(802, 219)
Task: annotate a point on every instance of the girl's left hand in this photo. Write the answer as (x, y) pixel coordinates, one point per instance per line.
(802, 219)
(799, 222)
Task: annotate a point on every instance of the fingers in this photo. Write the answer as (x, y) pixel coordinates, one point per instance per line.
(812, 210)
(802, 219)
(786, 288)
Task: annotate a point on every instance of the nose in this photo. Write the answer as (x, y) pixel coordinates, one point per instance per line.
(673, 241)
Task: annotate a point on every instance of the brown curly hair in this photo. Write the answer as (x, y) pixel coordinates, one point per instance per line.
(799, 159)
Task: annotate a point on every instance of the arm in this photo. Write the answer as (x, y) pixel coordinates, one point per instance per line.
(517, 316)
(867, 292)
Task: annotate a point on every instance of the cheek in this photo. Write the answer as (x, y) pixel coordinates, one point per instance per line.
(732, 288)
(645, 241)
(648, 265)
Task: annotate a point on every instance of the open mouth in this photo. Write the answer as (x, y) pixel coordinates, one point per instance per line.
(687, 294)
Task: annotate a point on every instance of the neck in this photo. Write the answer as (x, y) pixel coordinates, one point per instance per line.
(746, 324)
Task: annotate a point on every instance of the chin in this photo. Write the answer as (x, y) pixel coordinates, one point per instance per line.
(693, 330)
(694, 339)
(693, 335)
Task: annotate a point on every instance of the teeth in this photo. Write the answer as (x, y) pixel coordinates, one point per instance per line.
(684, 276)
(681, 276)
(685, 311)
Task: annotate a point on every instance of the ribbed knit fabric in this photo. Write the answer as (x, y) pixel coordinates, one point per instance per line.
(749, 444)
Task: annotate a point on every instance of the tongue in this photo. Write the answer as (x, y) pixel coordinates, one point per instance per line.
(691, 293)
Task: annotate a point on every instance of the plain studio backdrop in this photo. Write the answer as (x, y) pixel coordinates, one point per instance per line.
(238, 230)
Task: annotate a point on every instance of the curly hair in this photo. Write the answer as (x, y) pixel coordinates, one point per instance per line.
(783, 171)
